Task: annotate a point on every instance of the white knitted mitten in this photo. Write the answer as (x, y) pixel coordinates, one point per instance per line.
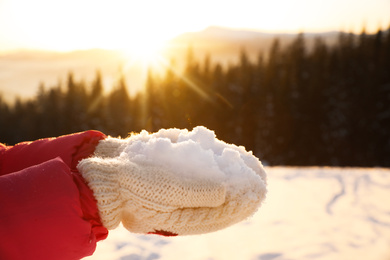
(132, 187)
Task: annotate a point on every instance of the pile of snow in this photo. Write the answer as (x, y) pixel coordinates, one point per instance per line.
(309, 213)
(196, 154)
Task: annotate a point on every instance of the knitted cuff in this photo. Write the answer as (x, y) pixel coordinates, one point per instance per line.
(101, 176)
(110, 147)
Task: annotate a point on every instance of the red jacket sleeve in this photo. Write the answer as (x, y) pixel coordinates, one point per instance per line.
(70, 148)
(46, 209)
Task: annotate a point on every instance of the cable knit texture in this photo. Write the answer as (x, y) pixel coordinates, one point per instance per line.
(148, 198)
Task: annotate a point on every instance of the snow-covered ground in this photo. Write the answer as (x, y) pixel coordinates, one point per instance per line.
(309, 213)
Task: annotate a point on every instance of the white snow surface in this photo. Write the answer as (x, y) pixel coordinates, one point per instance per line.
(309, 213)
(196, 154)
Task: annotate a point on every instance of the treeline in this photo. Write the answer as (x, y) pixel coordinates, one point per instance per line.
(291, 106)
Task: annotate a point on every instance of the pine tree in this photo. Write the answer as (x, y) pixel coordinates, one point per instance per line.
(74, 111)
(119, 114)
(5, 113)
(96, 105)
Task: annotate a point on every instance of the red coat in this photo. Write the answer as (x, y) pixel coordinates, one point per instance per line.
(46, 209)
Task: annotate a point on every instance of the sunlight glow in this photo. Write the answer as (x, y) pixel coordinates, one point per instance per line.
(147, 52)
(73, 25)
(121, 24)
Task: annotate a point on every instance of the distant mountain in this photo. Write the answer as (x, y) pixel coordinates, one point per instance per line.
(215, 32)
(224, 44)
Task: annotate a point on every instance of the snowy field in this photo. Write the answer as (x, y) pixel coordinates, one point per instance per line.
(309, 213)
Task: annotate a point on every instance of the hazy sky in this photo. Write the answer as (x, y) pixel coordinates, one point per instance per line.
(81, 24)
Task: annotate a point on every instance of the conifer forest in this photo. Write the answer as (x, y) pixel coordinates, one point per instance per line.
(294, 105)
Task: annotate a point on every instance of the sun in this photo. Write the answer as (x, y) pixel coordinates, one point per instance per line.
(141, 55)
(145, 51)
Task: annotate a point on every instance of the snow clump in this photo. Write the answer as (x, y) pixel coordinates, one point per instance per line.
(196, 154)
